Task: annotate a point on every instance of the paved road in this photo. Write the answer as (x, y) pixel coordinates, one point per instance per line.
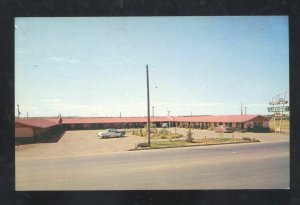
(242, 166)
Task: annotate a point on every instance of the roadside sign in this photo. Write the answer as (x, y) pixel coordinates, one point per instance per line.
(278, 102)
(279, 109)
(279, 115)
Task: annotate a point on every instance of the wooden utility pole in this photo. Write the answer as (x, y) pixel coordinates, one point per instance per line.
(245, 110)
(169, 118)
(148, 106)
(241, 108)
(152, 111)
(18, 111)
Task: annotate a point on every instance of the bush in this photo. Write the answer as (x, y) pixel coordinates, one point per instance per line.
(144, 144)
(246, 139)
(259, 129)
(152, 128)
(141, 133)
(210, 128)
(189, 137)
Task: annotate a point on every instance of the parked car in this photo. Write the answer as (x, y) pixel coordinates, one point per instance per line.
(116, 130)
(109, 133)
(165, 125)
(223, 129)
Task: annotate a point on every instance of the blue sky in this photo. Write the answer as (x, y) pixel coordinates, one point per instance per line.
(199, 65)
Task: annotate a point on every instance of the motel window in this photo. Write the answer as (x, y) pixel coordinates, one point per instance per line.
(257, 124)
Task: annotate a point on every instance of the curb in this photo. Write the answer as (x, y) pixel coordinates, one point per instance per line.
(196, 145)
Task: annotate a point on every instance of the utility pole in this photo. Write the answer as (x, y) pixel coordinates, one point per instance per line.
(245, 110)
(18, 111)
(152, 111)
(169, 118)
(148, 106)
(241, 108)
(27, 114)
(120, 114)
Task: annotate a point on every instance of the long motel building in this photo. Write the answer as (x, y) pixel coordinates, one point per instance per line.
(38, 129)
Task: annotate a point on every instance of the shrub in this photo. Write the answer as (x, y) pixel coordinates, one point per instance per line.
(259, 129)
(144, 144)
(210, 128)
(141, 132)
(189, 137)
(246, 139)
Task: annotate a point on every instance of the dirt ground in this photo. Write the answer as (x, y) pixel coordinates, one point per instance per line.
(82, 142)
(86, 142)
(263, 137)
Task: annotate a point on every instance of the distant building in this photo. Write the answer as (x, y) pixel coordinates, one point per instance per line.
(233, 121)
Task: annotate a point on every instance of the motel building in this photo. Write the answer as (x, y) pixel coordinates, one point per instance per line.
(30, 130)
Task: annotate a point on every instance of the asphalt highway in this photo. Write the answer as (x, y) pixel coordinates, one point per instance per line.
(238, 166)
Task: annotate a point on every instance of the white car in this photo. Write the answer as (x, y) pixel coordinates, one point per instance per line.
(111, 133)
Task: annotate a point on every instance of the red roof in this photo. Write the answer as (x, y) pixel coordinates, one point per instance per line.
(219, 118)
(37, 122)
(87, 120)
(210, 118)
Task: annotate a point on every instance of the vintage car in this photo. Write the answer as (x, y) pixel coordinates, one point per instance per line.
(109, 133)
(223, 129)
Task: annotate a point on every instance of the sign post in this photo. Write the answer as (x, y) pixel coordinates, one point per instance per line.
(278, 108)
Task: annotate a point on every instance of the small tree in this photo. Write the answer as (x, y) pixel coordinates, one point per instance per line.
(189, 137)
(141, 133)
(152, 127)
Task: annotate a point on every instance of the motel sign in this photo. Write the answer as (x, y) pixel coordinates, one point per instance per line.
(279, 109)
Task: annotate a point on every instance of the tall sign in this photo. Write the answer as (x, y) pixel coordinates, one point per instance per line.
(278, 108)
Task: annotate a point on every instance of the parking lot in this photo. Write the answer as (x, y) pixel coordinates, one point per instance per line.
(86, 142)
(81, 142)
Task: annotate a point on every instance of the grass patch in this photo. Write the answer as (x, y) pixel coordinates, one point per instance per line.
(183, 143)
(155, 134)
(166, 144)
